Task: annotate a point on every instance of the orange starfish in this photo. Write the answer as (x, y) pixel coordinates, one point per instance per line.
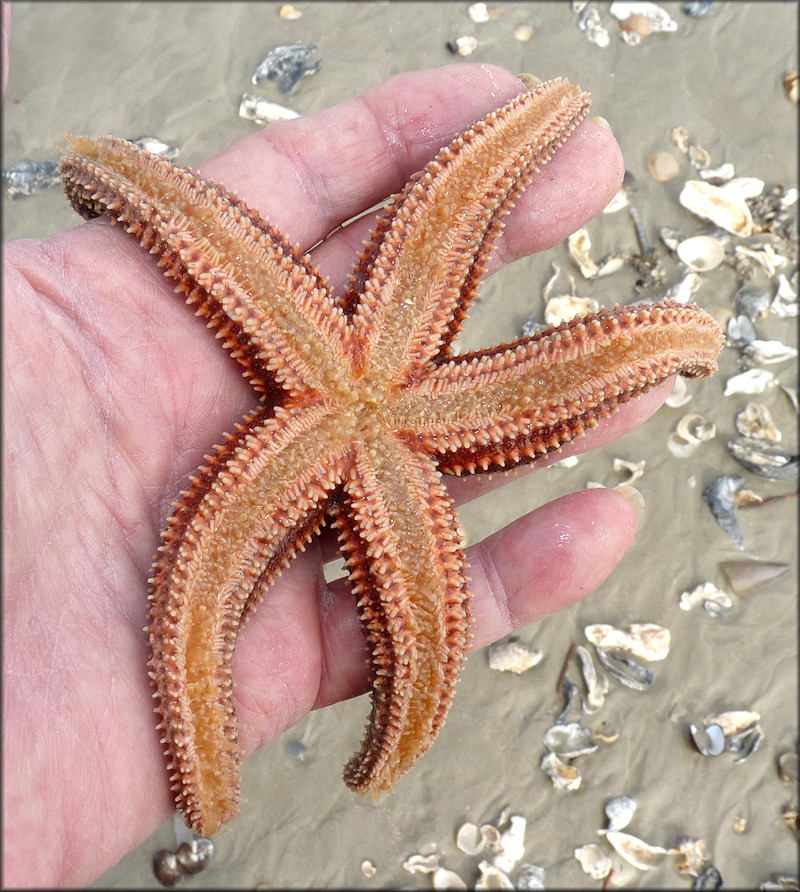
(363, 406)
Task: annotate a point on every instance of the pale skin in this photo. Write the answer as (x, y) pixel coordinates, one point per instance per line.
(113, 392)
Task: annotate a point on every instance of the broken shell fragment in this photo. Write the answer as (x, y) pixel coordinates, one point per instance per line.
(701, 253)
(790, 84)
(596, 685)
(683, 291)
(720, 497)
(286, 65)
(752, 301)
(470, 839)
(679, 396)
(690, 432)
(569, 741)
(769, 351)
(693, 857)
(755, 422)
(627, 671)
(492, 878)
(663, 166)
(634, 850)
(714, 600)
(619, 812)
(447, 879)
(530, 876)
(749, 382)
(421, 863)
(657, 17)
(262, 111)
(645, 640)
(722, 206)
(746, 576)
(562, 309)
(740, 331)
(733, 722)
(788, 767)
(764, 459)
(594, 861)
(511, 846)
(511, 656)
(563, 776)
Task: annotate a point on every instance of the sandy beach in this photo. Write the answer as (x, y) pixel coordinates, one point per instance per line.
(176, 71)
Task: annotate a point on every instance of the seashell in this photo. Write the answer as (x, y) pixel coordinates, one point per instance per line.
(788, 767)
(511, 846)
(255, 108)
(589, 23)
(297, 750)
(166, 868)
(627, 671)
(478, 13)
(745, 187)
(658, 17)
(690, 431)
(492, 878)
(784, 882)
(679, 396)
(569, 741)
(579, 245)
(288, 13)
(745, 743)
(764, 255)
(286, 65)
(720, 498)
(523, 32)
(710, 741)
(734, 721)
(791, 393)
(719, 205)
(619, 812)
(569, 692)
(619, 201)
(718, 175)
(469, 839)
(699, 157)
(740, 331)
(764, 459)
(511, 656)
(30, 177)
(530, 877)
(190, 859)
(751, 381)
(594, 861)
(755, 422)
(634, 468)
(611, 264)
(680, 137)
(703, 594)
(701, 253)
(693, 857)
(566, 307)
(790, 85)
(785, 301)
(596, 686)
(156, 147)
(767, 352)
(421, 863)
(463, 46)
(696, 8)
(671, 237)
(683, 291)
(746, 576)
(634, 850)
(752, 302)
(368, 868)
(645, 640)
(563, 776)
(663, 166)
(447, 879)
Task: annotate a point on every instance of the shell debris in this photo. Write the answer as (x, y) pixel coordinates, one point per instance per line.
(635, 851)
(714, 600)
(512, 656)
(649, 641)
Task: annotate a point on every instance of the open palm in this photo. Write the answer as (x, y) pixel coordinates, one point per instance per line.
(114, 391)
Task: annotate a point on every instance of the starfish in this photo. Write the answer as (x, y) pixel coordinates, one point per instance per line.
(364, 405)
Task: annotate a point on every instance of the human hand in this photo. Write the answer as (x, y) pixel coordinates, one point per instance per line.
(106, 415)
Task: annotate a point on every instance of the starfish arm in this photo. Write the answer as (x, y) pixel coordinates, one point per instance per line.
(257, 501)
(415, 282)
(267, 302)
(510, 405)
(401, 541)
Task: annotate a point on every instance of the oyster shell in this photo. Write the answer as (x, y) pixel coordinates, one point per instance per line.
(635, 851)
(648, 641)
(755, 421)
(569, 741)
(563, 776)
(594, 861)
(722, 205)
(447, 879)
(566, 307)
(706, 594)
(619, 812)
(512, 656)
(752, 381)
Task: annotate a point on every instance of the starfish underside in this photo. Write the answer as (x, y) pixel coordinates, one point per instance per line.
(363, 406)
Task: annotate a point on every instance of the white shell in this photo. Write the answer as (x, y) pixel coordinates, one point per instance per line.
(511, 656)
(634, 850)
(569, 741)
(724, 172)
(421, 863)
(659, 18)
(752, 381)
(620, 812)
(469, 839)
(596, 685)
(755, 421)
(368, 868)
(447, 879)
(693, 857)
(701, 253)
(594, 861)
(634, 468)
(732, 722)
(723, 207)
(706, 591)
(619, 201)
(679, 396)
(579, 244)
(511, 847)
(492, 878)
(561, 309)
(769, 351)
(262, 111)
(563, 776)
(645, 640)
(683, 291)
(478, 13)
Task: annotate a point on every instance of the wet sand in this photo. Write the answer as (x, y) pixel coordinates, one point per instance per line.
(176, 71)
